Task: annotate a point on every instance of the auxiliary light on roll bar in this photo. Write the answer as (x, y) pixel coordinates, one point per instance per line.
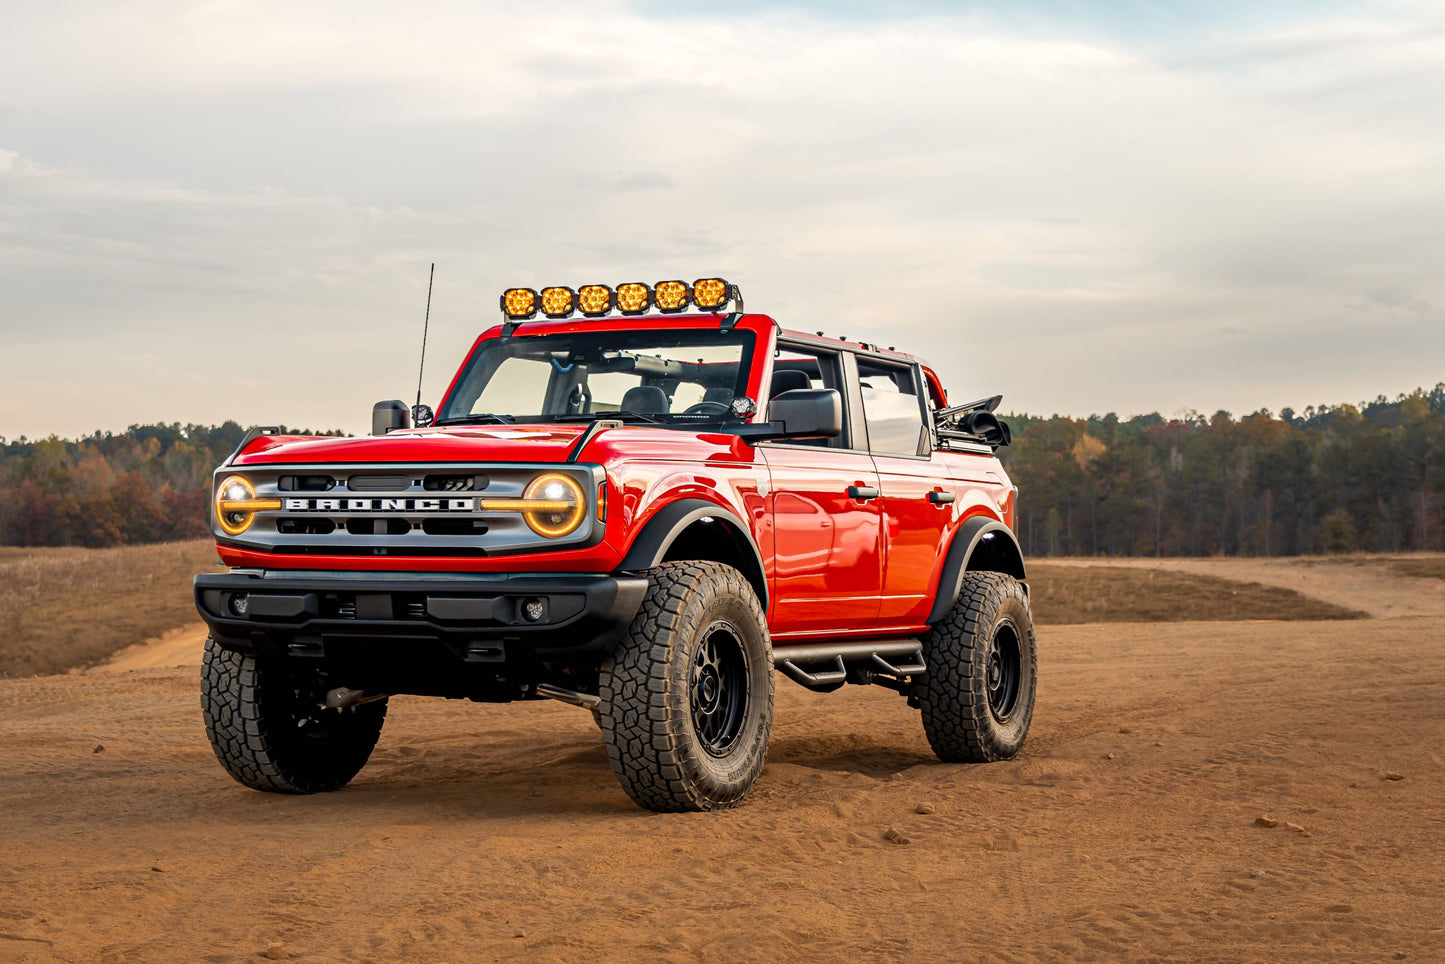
(630, 298)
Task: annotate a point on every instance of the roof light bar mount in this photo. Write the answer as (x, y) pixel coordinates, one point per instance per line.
(731, 319)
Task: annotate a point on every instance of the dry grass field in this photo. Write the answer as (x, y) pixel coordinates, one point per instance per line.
(1230, 789)
(64, 608)
(1064, 593)
(70, 608)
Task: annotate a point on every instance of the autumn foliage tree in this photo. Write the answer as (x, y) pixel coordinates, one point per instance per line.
(149, 484)
(1335, 479)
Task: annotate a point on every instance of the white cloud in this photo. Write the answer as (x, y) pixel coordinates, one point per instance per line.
(250, 192)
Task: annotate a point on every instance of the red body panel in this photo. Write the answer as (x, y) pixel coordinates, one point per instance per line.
(828, 559)
(836, 566)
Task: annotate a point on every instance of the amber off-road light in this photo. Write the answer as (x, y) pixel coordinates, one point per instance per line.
(710, 292)
(558, 302)
(519, 304)
(671, 296)
(237, 505)
(594, 300)
(552, 505)
(629, 298)
(633, 298)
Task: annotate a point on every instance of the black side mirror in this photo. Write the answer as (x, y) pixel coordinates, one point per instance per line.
(800, 413)
(808, 412)
(389, 416)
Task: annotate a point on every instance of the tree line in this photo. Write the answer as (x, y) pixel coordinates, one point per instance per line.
(1334, 478)
(149, 484)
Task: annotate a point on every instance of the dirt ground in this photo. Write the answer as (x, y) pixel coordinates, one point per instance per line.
(1126, 831)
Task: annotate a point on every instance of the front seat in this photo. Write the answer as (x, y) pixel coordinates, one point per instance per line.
(645, 400)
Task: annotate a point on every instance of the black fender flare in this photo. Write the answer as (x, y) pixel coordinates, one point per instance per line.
(980, 531)
(661, 531)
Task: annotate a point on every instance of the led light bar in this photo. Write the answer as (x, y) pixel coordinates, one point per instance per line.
(630, 298)
(671, 296)
(595, 300)
(558, 302)
(633, 298)
(710, 292)
(519, 304)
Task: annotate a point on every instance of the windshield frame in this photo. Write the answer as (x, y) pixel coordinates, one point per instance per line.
(664, 331)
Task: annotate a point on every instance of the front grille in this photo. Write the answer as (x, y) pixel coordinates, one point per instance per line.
(378, 483)
(389, 510)
(305, 527)
(454, 483)
(453, 527)
(378, 527)
(305, 483)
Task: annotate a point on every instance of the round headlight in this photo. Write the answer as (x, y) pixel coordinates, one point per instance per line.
(560, 506)
(237, 505)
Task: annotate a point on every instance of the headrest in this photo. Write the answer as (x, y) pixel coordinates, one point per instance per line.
(787, 380)
(645, 400)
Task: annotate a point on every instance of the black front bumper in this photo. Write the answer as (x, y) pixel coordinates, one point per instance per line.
(480, 617)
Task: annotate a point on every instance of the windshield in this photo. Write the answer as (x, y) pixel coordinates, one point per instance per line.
(650, 376)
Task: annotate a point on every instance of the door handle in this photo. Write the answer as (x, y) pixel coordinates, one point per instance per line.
(940, 498)
(862, 492)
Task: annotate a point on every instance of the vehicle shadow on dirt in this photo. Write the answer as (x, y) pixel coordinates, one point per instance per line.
(847, 754)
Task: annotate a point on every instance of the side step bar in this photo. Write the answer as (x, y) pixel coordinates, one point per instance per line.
(884, 661)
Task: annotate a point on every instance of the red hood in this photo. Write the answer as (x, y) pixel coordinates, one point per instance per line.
(471, 443)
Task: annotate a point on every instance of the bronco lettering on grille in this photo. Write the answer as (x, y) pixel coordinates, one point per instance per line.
(379, 505)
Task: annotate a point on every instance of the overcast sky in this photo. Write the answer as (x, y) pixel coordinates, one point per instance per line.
(226, 209)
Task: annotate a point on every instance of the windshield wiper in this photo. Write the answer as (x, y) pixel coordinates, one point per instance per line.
(481, 418)
(620, 416)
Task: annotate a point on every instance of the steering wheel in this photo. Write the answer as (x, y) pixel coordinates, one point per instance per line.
(708, 408)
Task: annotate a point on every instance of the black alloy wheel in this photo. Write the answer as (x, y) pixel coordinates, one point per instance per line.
(719, 688)
(1002, 670)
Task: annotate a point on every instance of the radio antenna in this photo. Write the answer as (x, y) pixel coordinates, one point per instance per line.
(426, 323)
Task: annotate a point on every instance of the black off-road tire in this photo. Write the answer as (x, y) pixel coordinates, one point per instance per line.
(973, 711)
(687, 696)
(269, 732)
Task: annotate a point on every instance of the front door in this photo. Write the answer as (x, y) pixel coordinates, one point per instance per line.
(828, 563)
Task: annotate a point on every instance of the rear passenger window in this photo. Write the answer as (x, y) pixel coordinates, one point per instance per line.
(892, 408)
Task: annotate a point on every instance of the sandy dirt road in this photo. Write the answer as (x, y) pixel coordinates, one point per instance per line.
(1125, 831)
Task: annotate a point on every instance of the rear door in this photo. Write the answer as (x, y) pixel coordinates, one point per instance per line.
(828, 563)
(917, 498)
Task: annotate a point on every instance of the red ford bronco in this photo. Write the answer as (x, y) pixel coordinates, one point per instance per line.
(642, 502)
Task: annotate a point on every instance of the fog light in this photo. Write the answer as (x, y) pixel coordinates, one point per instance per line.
(533, 610)
(239, 603)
